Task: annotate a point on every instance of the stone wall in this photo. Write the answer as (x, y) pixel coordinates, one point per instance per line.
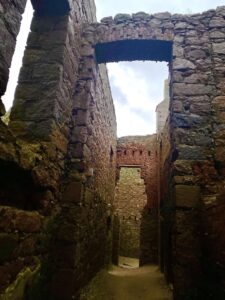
(58, 153)
(130, 201)
(58, 162)
(140, 151)
(10, 18)
(165, 199)
(194, 47)
(85, 223)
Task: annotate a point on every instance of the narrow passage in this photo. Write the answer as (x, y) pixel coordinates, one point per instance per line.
(144, 283)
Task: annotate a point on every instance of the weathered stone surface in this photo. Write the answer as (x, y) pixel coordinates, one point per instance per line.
(183, 64)
(191, 89)
(178, 51)
(196, 54)
(217, 34)
(107, 20)
(65, 116)
(219, 102)
(139, 213)
(217, 22)
(218, 48)
(73, 192)
(191, 152)
(187, 195)
(120, 18)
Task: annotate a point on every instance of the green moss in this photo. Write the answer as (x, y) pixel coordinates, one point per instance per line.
(6, 117)
(24, 281)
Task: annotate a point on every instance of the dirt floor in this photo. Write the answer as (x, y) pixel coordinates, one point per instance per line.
(129, 283)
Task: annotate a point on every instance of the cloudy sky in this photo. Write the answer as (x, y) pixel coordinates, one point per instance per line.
(137, 87)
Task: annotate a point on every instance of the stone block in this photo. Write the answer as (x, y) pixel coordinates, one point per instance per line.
(76, 150)
(181, 26)
(200, 108)
(190, 89)
(183, 64)
(196, 54)
(73, 192)
(217, 22)
(216, 34)
(219, 102)
(122, 18)
(220, 154)
(182, 167)
(187, 152)
(182, 120)
(79, 134)
(178, 51)
(187, 195)
(162, 16)
(219, 48)
(82, 117)
(28, 222)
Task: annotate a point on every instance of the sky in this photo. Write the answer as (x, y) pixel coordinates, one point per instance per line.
(137, 87)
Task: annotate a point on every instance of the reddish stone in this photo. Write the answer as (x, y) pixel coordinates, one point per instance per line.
(28, 222)
(187, 195)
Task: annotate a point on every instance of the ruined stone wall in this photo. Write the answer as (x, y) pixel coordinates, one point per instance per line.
(165, 185)
(10, 18)
(61, 153)
(85, 225)
(141, 151)
(197, 178)
(59, 187)
(194, 47)
(130, 201)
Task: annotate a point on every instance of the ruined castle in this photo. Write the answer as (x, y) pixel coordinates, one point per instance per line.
(60, 158)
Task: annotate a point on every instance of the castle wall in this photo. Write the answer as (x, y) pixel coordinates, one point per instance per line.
(62, 175)
(140, 151)
(59, 150)
(130, 201)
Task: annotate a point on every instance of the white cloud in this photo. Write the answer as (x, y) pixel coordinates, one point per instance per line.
(131, 123)
(134, 100)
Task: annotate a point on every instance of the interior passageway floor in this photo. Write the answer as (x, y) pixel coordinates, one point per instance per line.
(144, 283)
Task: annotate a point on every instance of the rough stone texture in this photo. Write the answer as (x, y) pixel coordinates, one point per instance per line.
(59, 150)
(85, 222)
(141, 151)
(10, 18)
(56, 122)
(130, 201)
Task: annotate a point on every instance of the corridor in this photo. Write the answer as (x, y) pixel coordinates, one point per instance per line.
(145, 283)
